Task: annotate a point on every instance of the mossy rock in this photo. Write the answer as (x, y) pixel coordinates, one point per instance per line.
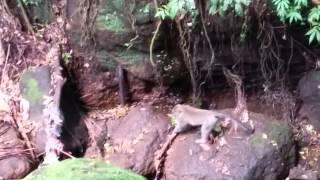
(82, 169)
(34, 85)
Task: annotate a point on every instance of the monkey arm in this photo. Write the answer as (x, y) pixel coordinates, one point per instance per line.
(248, 129)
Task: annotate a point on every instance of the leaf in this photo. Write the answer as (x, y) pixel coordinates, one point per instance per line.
(294, 16)
(314, 15)
(213, 7)
(318, 35)
(311, 33)
(161, 13)
(238, 9)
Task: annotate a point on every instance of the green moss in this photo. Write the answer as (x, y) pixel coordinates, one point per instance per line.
(315, 76)
(257, 140)
(32, 91)
(133, 56)
(144, 12)
(279, 132)
(116, 5)
(106, 60)
(276, 132)
(82, 169)
(111, 22)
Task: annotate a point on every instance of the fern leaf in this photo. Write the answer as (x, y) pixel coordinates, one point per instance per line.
(294, 16)
(311, 33)
(314, 15)
(238, 9)
(301, 3)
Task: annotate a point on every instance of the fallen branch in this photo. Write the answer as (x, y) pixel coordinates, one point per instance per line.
(161, 156)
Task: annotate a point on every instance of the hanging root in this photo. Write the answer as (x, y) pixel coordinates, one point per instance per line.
(211, 62)
(241, 106)
(188, 58)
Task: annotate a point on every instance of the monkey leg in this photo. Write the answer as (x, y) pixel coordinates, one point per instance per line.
(180, 126)
(206, 129)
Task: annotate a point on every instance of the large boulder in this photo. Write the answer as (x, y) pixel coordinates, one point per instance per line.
(135, 138)
(309, 93)
(267, 154)
(309, 87)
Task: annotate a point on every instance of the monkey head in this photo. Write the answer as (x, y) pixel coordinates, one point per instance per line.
(177, 110)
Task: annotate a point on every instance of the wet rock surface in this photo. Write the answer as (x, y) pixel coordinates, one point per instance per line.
(267, 154)
(34, 85)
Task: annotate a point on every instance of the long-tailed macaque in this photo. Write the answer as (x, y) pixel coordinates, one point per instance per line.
(186, 115)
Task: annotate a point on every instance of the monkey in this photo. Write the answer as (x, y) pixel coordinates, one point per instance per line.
(186, 115)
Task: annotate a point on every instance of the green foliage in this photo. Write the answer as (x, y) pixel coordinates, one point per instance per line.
(222, 6)
(314, 20)
(31, 2)
(32, 90)
(314, 33)
(173, 120)
(172, 8)
(296, 11)
(82, 169)
(66, 56)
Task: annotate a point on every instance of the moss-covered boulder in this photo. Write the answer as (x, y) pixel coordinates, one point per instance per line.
(71, 169)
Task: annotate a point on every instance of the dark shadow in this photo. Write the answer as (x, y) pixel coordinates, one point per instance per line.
(75, 133)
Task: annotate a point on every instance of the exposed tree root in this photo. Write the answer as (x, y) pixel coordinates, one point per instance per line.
(160, 156)
(241, 106)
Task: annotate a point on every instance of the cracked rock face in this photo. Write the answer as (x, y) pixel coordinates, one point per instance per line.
(267, 154)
